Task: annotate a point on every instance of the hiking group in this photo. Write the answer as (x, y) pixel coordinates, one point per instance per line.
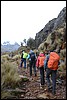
(47, 62)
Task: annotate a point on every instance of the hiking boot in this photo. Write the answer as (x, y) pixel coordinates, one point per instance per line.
(49, 88)
(35, 75)
(41, 86)
(53, 92)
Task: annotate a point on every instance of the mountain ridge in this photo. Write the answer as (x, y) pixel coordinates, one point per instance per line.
(52, 25)
(7, 47)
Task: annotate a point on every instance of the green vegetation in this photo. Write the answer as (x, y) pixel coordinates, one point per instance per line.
(9, 76)
(31, 43)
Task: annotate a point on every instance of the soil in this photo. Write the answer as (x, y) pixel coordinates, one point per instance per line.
(32, 89)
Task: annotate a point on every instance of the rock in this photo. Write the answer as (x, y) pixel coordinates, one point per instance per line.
(45, 89)
(38, 80)
(50, 27)
(43, 96)
(22, 95)
(28, 94)
(63, 97)
(31, 79)
(17, 91)
(36, 91)
(24, 78)
(59, 81)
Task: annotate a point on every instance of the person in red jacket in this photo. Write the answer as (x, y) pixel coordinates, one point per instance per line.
(40, 65)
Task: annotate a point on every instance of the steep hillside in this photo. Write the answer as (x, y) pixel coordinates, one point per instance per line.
(53, 37)
(58, 23)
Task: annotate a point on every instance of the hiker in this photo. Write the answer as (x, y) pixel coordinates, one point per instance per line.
(40, 65)
(32, 62)
(47, 52)
(51, 69)
(23, 58)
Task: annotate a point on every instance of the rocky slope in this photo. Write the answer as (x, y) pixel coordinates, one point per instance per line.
(30, 88)
(52, 25)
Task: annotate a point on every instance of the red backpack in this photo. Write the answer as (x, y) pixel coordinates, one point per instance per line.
(53, 61)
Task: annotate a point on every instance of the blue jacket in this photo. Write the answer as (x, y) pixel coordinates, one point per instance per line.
(29, 57)
(45, 62)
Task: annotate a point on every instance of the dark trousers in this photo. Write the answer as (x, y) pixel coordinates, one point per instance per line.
(42, 75)
(53, 77)
(23, 61)
(32, 64)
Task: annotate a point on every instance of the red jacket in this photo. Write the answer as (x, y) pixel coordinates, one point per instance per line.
(40, 60)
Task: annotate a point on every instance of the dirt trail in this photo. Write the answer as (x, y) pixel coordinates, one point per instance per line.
(33, 91)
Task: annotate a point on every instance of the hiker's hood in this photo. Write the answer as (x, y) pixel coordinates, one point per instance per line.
(31, 51)
(41, 54)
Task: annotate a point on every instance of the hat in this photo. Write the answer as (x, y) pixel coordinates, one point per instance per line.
(31, 51)
(56, 50)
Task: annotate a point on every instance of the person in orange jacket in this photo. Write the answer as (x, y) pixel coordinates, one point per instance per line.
(51, 69)
(40, 65)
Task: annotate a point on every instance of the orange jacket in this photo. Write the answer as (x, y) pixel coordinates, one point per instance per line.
(40, 60)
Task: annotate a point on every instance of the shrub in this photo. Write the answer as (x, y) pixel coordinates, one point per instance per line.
(63, 53)
(16, 57)
(62, 67)
(9, 76)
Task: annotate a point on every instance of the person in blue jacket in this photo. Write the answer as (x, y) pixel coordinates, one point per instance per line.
(32, 62)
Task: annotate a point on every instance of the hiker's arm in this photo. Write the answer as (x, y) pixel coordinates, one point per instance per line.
(37, 63)
(45, 62)
(21, 55)
(35, 57)
(28, 56)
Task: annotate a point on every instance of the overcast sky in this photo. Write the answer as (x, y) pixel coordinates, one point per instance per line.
(23, 19)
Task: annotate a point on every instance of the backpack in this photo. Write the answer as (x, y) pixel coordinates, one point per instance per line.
(41, 61)
(53, 61)
(32, 56)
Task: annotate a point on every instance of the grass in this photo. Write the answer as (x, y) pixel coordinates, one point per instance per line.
(16, 57)
(9, 76)
(62, 67)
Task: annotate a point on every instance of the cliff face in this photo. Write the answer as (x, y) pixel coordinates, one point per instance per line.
(51, 26)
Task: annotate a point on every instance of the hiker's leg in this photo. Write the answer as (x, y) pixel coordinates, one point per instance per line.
(42, 75)
(54, 81)
(48, 72)
(24, 63)
(21, 63)
(34, 67)
(30, 68)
